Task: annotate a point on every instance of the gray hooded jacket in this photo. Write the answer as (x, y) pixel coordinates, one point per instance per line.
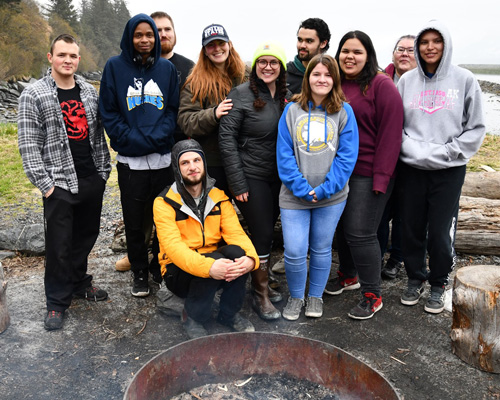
(443, 114)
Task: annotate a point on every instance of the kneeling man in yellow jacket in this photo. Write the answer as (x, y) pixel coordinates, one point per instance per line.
(203, 247)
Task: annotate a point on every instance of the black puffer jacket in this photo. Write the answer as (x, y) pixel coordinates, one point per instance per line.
(247, 138)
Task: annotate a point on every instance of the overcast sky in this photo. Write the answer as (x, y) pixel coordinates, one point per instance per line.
(473, 24)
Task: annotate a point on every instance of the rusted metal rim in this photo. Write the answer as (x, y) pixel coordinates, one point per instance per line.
(232, 356)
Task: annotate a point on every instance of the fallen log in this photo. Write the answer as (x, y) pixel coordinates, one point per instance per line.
(4, 313)
(482, 184)
(478, 228)
(475, 330)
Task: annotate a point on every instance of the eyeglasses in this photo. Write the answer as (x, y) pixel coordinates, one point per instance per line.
(273, 63)
(401, 50)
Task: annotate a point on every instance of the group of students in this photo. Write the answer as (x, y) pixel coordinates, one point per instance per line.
(321, 152)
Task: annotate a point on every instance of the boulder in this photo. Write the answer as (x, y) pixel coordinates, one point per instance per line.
(28, 239)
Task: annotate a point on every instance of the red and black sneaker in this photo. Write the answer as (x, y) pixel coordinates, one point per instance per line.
(53, 320)
(337, 285)
(368, 306)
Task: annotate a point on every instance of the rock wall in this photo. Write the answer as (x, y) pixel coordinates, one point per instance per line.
(11, 90)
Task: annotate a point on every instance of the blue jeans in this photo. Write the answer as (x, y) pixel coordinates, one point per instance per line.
(310, 229)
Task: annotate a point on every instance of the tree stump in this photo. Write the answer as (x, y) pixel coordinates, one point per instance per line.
(475, 331)
(4, 313)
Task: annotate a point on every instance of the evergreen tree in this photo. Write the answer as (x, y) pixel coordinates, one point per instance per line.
(102, 24)
(63, 9)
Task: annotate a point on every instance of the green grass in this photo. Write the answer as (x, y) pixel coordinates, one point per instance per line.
(14, 185)
(488, 154)
(16, 188)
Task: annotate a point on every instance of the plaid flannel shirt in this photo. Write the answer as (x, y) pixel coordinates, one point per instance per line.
(43, 140)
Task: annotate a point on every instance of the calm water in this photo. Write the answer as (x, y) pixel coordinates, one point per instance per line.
(489, 78)
(491, 105)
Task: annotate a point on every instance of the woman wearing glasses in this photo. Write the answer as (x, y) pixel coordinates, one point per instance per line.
(403, 58)
(247, 141)
(378, 109)
(203, 102)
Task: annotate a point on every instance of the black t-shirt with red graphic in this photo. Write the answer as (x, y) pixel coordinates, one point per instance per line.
(77, 128)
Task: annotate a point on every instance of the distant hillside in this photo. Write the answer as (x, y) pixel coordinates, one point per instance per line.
(483, 68)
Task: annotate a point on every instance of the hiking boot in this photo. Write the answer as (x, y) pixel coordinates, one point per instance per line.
(193, 329)
(337, 285)
(368, 306)
(314, 307)
(123, 264)
(435, 302)
(168, 303)
(391, 269)
(92, 293)
(261, 302)
(292, 309)
(413, 292)
(53, 320)
(237, 323)
(140, 287)
(274, 295)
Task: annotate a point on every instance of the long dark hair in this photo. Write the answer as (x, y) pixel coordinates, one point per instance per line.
(371, 67)
(334, 101)
(281, 89)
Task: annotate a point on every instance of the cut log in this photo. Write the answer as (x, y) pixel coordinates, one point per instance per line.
(475, 331)
(482, 184)
(4, 313)
(478, 229)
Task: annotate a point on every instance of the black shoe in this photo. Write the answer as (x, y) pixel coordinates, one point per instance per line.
(53, 320)
(193, 329)
(391, 269)
(155, 272)
(141, 286)
(237, 323)
(92, 293)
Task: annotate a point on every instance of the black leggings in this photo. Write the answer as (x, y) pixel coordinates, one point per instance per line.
(261, 212)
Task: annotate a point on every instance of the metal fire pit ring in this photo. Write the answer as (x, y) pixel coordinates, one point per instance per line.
(233, 356)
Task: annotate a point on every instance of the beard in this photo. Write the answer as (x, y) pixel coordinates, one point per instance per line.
(193, 181)
(306, 57)
(167, 47)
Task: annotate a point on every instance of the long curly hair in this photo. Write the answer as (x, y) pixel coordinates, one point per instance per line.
(371, 68)
(281, 89)
(207, 82)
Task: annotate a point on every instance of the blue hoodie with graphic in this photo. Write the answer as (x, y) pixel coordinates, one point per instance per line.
(139, 102)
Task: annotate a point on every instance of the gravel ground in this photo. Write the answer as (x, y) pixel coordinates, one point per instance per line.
(104, 344)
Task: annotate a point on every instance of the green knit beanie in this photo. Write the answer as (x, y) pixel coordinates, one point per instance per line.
(270, 49)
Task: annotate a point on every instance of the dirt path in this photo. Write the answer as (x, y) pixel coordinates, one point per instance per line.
(102, 345)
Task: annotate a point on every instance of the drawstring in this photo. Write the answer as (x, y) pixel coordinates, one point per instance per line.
(309, 103)
(326, 126)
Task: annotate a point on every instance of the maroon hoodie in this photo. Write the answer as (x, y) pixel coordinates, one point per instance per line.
(379, 114)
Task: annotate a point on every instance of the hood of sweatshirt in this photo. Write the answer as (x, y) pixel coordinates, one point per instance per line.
(445, 63)
(178, 150)
(127, 43)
